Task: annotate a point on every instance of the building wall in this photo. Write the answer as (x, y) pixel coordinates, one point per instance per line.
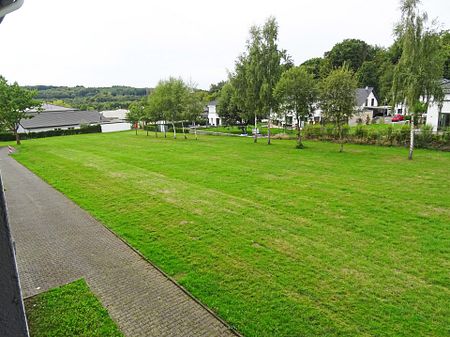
(213, 116)
(22, 130)
(434, 113)
(114, 127)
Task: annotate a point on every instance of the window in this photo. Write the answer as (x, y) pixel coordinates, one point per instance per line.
(399, 111)
(373, 102)
(367, 102)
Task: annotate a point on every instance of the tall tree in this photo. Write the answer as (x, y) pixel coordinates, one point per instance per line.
(14, 103)
(297, 92)
(169, 97)
(228, 108)
(418, 74)
(352, 52)
(136, 114)
(194, 105)
(258, 70)
(338, 99)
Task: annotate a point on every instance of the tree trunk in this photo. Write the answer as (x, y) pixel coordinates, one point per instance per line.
(285, 123)
(299, 134)
(135, 128)
(268, 127)
(256, 128)
(184, 134)
(165, 130)
(146, 127)
(411, 140)
(195, 131)
(174, 131)
(17, 137)
(341, 142)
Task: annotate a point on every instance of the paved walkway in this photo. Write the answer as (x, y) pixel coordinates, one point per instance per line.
(57, 242)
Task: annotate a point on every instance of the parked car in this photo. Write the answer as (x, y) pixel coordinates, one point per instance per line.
(398, 118)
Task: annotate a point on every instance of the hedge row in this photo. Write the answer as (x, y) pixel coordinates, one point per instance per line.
(389, 136)
(51, 133)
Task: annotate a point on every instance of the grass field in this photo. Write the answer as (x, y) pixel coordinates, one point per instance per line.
(71, 310)
(278, 241)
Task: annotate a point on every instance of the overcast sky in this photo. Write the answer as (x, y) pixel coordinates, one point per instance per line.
(139, 42)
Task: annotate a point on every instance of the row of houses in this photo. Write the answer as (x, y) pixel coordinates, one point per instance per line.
(53, 117)
(437, 116)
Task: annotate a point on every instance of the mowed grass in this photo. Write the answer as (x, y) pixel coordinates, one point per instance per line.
(278, 241)
(71, 310)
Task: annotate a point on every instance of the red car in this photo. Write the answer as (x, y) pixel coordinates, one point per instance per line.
(398, 118)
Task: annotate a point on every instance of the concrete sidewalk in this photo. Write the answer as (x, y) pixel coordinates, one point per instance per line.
(57, 242)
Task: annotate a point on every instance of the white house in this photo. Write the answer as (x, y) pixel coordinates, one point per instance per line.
(438, 117)
(213, 117)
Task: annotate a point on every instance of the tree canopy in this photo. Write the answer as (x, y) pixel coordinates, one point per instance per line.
(14, 103)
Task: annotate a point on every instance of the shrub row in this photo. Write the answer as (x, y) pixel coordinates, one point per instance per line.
(51, 133)
(388, 136)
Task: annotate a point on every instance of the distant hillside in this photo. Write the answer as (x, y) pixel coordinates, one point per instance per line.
(80, 97)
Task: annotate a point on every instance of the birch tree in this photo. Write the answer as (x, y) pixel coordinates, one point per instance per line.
(338, 99)
(418, 74)
(297, 92)
(169, 97)
(257, 72)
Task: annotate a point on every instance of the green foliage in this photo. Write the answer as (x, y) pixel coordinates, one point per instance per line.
(297, 91)
(103, 98)
(257, 71)
(419, 70)
(14, 102)
(337, 98)
(351, 52)
(277, 243)
(379, 134)
(70, 310)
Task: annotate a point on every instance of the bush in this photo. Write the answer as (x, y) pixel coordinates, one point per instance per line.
(52, 133)
(312, 131)
(425, 137)
(361, 132)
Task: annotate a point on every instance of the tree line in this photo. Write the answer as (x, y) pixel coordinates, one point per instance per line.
(90, 98)
(265, 82)
(172, 101)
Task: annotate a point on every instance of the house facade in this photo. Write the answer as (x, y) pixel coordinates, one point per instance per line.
(438, 116)
(213, 117)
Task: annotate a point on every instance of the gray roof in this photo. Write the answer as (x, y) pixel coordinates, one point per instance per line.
(362, 94)
(53, 119)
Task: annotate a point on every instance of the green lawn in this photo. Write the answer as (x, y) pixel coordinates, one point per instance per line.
(278, 241)
(71, 310)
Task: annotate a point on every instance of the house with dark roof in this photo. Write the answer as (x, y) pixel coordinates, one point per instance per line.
(53, 117)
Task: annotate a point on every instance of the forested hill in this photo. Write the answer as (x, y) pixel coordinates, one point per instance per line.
(93, 98)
